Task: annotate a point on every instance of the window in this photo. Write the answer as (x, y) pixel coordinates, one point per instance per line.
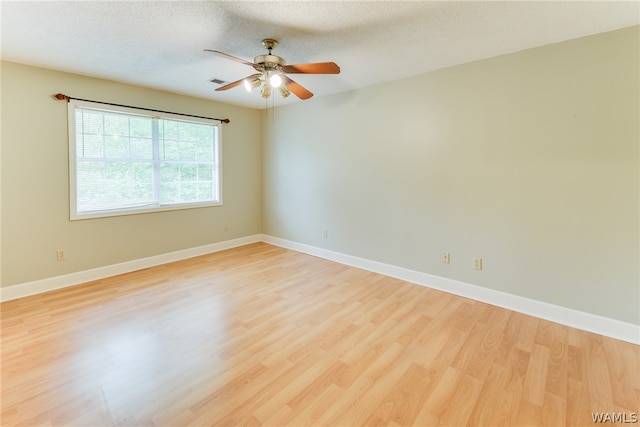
(125, 161)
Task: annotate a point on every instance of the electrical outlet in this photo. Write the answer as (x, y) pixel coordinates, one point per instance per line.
(226, 227)
(477, 263)
(446, 257)
(61, 255)
(325, 234)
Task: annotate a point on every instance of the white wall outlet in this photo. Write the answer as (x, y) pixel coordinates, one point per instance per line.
(325, 234)
(445, 257)
(226, 227)
(61, 255)
(477, 263)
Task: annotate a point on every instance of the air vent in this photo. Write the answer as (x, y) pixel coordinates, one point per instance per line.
(217, 81)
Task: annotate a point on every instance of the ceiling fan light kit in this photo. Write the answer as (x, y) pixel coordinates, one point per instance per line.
(284, 91)
(252, 82)
(275, 80)
(271, 73)
(266, 91)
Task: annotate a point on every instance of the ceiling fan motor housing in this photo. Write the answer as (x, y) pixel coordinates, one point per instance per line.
(269, 61)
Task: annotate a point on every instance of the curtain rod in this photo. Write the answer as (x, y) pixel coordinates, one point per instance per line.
(64, 97)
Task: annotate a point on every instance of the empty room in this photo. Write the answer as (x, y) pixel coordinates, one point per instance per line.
(326, 213)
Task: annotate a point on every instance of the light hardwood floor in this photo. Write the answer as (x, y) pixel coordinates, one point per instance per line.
(260, 335)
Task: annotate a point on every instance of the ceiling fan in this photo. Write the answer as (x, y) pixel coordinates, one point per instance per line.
(272, 70)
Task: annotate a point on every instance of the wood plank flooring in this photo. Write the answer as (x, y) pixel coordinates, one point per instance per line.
(263, 336)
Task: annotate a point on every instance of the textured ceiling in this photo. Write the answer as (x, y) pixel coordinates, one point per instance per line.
(159, 44)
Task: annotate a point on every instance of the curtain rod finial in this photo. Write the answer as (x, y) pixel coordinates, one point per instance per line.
(225, 121)
(61, 96)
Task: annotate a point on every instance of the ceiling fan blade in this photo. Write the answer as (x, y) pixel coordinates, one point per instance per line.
(231, 85)
(315, 68)
(233, 58)
(236, 83)
(296, 89)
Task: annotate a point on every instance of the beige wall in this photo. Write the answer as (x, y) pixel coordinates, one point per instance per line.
(528, 160)
(35, 188)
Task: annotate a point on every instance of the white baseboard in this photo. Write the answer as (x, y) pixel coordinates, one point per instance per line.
(64, 281)
(566, 316)
(577, 319)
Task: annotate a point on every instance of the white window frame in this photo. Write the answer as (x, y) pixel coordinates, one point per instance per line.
(158, 207)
